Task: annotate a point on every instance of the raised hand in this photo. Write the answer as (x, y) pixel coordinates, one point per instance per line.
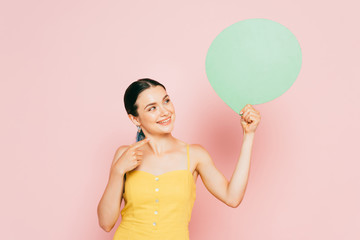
(250, 119)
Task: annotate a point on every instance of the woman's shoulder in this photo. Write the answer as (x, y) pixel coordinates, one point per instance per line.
(122, 149)
(199, 154)
(119, 151)
(194, 148)
(198, 150)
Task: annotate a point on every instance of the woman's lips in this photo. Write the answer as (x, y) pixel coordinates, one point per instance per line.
(165, 123)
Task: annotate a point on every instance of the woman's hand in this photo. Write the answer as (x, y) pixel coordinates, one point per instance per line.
(130, 159)
(250, 119)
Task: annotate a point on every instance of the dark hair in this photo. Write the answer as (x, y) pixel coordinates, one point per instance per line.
(131, 95)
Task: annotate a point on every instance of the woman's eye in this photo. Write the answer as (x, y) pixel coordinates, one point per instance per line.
(151, 108)
(167, 100)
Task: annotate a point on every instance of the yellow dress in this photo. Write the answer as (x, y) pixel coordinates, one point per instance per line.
(157, 206)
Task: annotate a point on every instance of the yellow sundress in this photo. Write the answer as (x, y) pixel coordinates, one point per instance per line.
(157, 207)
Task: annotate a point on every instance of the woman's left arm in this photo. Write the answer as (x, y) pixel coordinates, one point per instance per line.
(239, 179)
(231, 193)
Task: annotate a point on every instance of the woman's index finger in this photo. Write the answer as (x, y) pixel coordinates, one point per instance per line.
(140, 143)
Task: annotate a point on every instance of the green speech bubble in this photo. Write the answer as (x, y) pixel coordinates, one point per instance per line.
(253, 61)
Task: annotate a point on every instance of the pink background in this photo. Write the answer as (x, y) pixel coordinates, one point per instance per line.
(64, 68)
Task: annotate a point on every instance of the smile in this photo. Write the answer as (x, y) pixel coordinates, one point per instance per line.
(165, 122)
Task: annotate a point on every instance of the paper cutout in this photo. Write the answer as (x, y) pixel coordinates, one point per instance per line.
(253, 61)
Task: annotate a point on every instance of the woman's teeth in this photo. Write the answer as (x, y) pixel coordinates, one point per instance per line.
(165, 121)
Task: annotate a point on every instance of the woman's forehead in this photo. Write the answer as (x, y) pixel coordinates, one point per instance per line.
(152, 94)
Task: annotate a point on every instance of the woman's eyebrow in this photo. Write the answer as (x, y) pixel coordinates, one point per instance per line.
(155, 103)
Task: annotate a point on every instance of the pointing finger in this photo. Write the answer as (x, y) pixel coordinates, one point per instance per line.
(140, 143)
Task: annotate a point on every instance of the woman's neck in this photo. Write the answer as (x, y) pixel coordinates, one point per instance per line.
(161, 143)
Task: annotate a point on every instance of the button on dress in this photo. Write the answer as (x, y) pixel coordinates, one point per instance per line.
(157, 206)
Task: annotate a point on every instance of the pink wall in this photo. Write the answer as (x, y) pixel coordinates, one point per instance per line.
(66, 64)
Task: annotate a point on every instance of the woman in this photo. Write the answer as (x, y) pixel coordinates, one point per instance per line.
(156, 176)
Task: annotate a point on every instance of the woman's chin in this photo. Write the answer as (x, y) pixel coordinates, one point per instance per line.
(167, 129)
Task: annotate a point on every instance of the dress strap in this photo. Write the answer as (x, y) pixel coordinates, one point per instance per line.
(188, 158)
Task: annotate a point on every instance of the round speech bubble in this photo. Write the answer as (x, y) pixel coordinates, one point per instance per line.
(253, 61)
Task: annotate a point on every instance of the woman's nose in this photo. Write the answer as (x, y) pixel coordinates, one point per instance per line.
(164, 111)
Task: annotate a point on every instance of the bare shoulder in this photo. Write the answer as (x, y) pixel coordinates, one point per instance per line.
(119, 151)
(197, 148)
(199, 154)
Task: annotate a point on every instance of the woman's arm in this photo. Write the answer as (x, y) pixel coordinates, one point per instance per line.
(231, 193)
(109, 206)
(239, 179)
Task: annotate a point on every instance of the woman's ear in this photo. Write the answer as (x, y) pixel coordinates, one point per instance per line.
(134, 119)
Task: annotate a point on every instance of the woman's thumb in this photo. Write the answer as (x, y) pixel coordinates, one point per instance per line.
(242, 120)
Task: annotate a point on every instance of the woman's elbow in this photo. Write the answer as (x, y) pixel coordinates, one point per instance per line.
(234, 204)
(105, 223)
(105, 227)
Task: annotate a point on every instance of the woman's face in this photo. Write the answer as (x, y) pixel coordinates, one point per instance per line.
(156, 111)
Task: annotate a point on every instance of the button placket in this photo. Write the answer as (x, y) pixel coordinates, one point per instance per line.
(156, 201)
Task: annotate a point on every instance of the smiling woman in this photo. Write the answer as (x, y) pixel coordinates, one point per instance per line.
(132, 94)
(156, 175)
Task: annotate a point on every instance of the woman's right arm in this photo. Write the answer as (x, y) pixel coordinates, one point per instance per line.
(109, 206)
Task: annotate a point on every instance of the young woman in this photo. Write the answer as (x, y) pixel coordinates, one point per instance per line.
(156, 176)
